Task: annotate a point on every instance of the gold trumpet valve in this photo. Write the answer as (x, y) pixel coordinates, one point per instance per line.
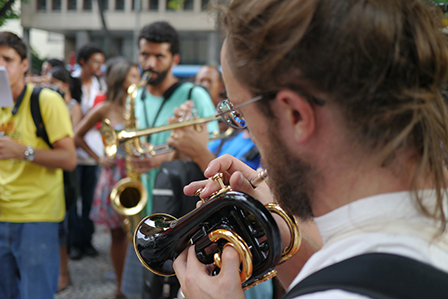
(218, 178)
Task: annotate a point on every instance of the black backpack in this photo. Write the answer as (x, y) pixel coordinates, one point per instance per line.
(71, 188)
(169, 198)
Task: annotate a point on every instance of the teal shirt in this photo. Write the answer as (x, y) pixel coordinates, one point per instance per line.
(151, 105)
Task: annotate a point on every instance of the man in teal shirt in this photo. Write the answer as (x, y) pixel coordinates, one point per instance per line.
(154, 104)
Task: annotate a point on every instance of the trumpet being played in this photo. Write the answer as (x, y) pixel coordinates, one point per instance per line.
(227, 218)
(112, 138)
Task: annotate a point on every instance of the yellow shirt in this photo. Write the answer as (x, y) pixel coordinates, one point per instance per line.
(30, 192)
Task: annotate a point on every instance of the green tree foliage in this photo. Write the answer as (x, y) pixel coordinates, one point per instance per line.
(177, 4)
(9, 13)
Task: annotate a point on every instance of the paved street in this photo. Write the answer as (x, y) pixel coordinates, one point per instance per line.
(92, 278)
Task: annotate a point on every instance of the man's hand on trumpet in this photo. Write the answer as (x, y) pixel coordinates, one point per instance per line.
(145, 162)
(238, 175)
(191, 141)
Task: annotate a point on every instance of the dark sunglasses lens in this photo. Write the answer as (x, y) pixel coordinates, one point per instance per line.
(233, 118)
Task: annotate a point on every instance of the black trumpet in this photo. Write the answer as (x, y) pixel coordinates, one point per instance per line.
(228, 218)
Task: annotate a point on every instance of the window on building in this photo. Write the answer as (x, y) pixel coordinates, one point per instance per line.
(71, 5)
(136, 2)
(105, 4)
(119, 4)
(188, 4)
(41, 5)
(87, 5)
(194, 50)
(56, 4)
(154, 5)
(204, 4)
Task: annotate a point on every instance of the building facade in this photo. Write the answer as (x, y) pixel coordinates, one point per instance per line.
(80, 22)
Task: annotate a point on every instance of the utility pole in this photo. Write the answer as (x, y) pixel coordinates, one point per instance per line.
(137, 9)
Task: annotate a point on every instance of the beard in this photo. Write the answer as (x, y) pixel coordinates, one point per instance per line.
(290, 179)
(160, 76)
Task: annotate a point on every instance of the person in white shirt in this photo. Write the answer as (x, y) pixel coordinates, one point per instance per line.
(351, 126)
(81, 228)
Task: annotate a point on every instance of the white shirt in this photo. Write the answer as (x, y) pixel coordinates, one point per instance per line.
(387, 223)
(93, 136)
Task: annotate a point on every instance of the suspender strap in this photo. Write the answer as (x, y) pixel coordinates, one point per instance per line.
(166, 95)
(37, 116)
(377, 275)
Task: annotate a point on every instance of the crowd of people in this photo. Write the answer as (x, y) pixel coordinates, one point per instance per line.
(342, 105)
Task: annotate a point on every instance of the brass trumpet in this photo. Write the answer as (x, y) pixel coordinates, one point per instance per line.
(154, 150)
(227, 218)
(112, 138)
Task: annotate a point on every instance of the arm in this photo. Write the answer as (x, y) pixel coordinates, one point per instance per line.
(95, 115)
(76, 115)
(63, 154)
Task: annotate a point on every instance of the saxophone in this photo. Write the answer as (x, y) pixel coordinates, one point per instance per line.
(129, 196)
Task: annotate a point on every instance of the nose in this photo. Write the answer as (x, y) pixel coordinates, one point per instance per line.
(151, 62)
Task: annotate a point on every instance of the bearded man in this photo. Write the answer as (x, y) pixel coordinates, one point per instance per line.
(353, 131)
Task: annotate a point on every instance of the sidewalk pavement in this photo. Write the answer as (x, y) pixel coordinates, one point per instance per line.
(92, 277)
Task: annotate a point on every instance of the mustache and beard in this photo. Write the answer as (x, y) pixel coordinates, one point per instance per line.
(291, 180)
(159, 78)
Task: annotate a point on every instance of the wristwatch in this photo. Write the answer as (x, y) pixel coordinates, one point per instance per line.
(29, 153)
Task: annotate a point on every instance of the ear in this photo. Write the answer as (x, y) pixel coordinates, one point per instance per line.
(176, 59)
(25, 64)
(81, 62)
(298, 113)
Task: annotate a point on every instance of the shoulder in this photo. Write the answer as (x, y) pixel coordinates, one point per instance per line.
(50, 97)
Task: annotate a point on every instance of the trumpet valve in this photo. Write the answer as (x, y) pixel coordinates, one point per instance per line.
(218, 178)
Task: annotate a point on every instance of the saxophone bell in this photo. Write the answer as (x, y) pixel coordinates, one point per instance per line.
(128, 196)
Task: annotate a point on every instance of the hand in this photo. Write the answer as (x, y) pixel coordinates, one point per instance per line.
(10, 149)
(197, 283)
(107, 162)
(236, 174)
(190, 141)
(142, 163)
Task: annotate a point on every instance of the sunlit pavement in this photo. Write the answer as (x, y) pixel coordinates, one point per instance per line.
(92, 277)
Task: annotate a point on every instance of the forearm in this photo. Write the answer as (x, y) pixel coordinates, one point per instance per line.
(79, 142)
(55, 158)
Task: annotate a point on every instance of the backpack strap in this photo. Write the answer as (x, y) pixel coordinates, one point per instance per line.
(377, 275)
(37, 116)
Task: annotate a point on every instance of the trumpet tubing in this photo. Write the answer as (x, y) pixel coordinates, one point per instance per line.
(112, 138)
(229, 218)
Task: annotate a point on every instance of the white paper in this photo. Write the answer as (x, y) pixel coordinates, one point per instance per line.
(5, 90)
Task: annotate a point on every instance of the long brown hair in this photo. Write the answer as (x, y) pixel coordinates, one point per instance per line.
(382, 62)
(116, 75)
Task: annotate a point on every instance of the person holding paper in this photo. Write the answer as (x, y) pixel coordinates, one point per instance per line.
(31, 186)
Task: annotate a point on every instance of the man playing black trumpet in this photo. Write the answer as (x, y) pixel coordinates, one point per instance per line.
(351, 126)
